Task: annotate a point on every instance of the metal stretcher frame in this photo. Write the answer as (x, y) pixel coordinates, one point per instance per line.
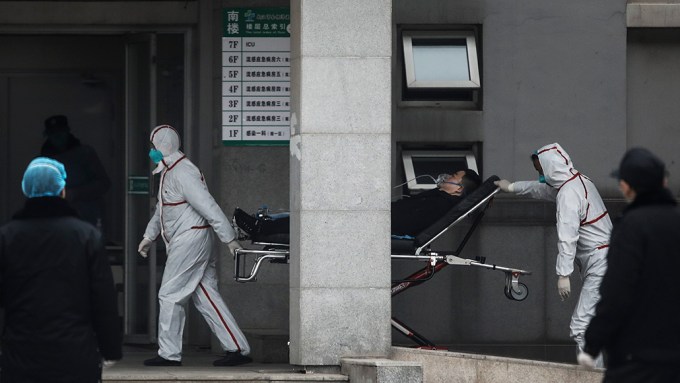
(437, 260)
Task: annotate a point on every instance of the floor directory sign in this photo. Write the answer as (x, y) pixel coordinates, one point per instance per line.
(256, 76)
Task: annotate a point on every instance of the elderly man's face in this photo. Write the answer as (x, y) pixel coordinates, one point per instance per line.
(454, 184)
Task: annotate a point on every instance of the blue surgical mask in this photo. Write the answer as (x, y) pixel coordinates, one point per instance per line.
(155, 155)
(541, 179)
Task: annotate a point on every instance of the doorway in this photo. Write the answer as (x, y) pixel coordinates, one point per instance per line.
(154, 95)
(113, 88)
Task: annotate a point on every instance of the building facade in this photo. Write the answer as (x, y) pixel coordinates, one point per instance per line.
(596, 77)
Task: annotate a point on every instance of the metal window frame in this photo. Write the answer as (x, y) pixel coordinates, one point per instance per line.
(473, 63)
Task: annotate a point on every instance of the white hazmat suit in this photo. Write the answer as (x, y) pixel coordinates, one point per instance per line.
(583, 230)
(186, 216)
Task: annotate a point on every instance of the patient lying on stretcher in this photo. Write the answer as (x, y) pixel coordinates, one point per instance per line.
(411, 215)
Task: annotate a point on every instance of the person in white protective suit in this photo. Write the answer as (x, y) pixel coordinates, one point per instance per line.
(583, 229)
(186, 216)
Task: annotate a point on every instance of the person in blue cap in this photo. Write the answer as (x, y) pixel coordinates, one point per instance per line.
(56, 288)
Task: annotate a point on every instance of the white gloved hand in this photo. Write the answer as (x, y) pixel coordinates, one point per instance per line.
(563, 287)
(585, 360)
(233, 246)
(144, 247)
(505, 186)
(108, 363)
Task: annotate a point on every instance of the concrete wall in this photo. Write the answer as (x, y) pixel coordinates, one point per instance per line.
(551, 72)
(653, 85)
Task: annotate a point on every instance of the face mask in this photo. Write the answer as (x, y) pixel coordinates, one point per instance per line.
(58, 140)
(155, 155)
(541, 179)
(441, 178)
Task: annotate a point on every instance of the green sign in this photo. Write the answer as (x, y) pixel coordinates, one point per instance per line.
(256, 22)
(256, 77)
(138, 185)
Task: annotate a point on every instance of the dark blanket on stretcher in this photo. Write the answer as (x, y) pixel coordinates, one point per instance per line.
(408, 245)
(464, 206)
(412, 215)
(277, 230)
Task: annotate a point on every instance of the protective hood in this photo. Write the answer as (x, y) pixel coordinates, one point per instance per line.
(556, 164)
(166, 139)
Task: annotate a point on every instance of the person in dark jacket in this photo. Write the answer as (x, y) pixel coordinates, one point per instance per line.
(637, 321)
(56, 288)
(414, 214)
(87, 179)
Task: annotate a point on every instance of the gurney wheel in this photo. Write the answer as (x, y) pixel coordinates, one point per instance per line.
(520, 294)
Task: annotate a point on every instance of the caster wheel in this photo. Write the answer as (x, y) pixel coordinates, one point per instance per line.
(519, 294)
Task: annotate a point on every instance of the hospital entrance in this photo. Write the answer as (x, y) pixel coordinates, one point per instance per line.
(113, 88)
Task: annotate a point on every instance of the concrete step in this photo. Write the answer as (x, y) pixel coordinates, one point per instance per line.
(197, 367)
(381, 370)
(406, 365)
(445, 366)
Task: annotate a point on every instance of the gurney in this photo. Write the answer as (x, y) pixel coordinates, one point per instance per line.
(271, 234)
(419, 248)
(268, 231)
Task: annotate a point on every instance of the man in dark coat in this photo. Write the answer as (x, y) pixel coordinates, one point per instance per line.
(87, 179)
(56, 288)
(637, 321)
(414, 214)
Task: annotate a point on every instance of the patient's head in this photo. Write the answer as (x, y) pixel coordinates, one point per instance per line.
(462, 182)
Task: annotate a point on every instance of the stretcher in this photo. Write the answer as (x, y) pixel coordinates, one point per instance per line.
(419, 248)
(270, 233)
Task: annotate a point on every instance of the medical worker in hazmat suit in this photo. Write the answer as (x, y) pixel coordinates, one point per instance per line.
(583, 229)
(185, 218)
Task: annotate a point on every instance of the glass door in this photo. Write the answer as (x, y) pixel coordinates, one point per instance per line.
(141, 274)
(155, 93)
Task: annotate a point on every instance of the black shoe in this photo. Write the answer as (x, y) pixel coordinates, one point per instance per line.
(160, 361)
(232, 359)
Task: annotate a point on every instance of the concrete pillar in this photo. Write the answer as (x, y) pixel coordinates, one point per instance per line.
(340, 180)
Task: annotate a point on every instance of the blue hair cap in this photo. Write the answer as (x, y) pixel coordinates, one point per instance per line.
(44, 177)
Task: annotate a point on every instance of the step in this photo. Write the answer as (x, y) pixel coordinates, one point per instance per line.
(381, 370)
(197, 367)
(445, 366)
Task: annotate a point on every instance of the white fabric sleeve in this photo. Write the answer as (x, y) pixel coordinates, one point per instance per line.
(568, 225)
(153, 228)
(534, 189)
(197, 195)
